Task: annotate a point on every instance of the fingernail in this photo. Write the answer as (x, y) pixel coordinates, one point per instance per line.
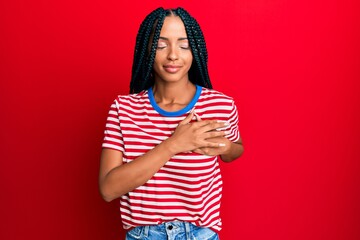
(221, 144)
(226, 123)
(227, 132)
(192, 110)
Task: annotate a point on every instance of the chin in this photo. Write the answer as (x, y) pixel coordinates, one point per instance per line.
(173, 78)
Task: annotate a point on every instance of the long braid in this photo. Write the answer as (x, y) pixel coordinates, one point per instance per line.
(145, 50)
(143, 61)
(199, 73)
(151, 57)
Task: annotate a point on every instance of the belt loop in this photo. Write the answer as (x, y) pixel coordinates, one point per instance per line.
(187, 230)
(146, 231)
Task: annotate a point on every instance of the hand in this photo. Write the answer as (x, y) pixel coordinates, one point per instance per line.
(211, 151)
(222, 141)
(188, 137)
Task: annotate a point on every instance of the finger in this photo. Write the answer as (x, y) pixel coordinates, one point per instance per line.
(213, 145)
(204, 123)
(213, 126)
(199, 151)
(187, 119)
(198, 118)
(206, 151)
(214, 134)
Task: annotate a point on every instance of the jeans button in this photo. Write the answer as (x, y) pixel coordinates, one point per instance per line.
(170, 227)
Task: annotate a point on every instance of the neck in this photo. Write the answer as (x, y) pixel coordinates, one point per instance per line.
(174, 93)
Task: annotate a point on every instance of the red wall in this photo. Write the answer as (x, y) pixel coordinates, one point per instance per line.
(292, 67)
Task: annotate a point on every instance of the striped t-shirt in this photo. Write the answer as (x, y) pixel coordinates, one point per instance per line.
(188, 187)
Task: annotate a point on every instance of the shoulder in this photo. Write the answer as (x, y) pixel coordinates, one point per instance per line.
(207, 93)
(214, 104)
(140, 97)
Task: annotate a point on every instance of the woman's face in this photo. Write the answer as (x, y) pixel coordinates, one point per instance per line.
(173, 54)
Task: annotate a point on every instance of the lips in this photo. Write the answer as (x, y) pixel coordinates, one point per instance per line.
(172, 68)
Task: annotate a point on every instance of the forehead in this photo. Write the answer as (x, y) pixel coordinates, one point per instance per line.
(173, 27)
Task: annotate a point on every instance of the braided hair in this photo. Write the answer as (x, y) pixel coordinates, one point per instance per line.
(145, 49)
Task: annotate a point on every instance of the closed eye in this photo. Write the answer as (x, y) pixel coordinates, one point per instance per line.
(185, 47)
(161, 46)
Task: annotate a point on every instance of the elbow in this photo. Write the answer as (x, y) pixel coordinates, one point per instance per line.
(241, 152)
(105, 194)
(231, 157)
(107, 198)
(226, 159)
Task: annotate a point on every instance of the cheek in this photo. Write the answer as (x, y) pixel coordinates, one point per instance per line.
(159, 57)
(189, 55)
(157, 60)
(189, 59)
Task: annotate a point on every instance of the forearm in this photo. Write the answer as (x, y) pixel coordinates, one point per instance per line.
(126, 177)
(235, 151)
(117, 179)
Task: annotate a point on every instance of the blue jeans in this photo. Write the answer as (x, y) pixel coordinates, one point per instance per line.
(171, 231)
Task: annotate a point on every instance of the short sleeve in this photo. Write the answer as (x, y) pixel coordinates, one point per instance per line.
(233, 128)
(113, 138)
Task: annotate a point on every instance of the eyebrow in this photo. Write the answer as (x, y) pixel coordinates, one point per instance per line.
(179, 39)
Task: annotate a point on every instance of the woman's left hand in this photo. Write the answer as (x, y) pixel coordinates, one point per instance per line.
(225, 149)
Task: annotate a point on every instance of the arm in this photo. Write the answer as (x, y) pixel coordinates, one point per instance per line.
(116, 178)
(236, 149)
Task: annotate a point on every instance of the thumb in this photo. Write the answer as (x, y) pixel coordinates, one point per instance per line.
(188, 118)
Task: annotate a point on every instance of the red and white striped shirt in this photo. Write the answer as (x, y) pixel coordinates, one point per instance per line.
(188, 187)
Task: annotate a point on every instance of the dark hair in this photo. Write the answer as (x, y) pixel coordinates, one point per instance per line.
(145, 50)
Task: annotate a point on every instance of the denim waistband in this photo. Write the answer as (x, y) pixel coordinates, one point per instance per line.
(170, 231)
(171, 228)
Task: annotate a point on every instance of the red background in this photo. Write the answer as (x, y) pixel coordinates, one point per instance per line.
(292, 67)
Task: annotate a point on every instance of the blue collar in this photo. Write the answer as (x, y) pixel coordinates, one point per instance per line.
(176, 113)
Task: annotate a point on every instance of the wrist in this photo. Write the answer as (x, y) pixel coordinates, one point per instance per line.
(170, 146)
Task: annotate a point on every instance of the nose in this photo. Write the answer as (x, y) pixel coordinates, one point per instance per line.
(173, 53)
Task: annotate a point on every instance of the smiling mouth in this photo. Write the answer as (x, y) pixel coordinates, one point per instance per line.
(172, 68)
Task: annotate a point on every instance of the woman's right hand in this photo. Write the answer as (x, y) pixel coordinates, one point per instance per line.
(189, 136)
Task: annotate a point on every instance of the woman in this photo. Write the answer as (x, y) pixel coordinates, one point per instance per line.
(162, 142)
